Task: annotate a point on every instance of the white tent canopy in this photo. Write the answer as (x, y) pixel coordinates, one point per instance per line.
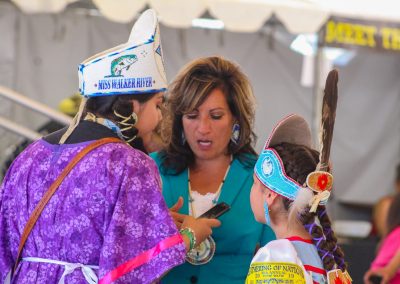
(298, 16)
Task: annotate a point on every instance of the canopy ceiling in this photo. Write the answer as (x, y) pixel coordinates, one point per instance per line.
(298, 16)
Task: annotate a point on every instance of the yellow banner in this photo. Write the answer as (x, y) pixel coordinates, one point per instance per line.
(275, 273)
(342, 32)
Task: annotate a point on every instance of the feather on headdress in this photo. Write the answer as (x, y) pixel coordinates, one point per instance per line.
(321, 180)
(329, 104)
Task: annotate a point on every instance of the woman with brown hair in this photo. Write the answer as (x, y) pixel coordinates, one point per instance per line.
(209, 159)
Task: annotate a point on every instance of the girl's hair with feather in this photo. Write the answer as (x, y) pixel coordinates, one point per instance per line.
(299, 161)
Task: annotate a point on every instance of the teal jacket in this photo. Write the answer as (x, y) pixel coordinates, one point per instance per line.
(236, 238)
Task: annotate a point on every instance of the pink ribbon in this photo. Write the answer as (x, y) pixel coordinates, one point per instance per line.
(140, 259)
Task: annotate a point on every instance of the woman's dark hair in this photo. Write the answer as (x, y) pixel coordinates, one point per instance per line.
(299, 161)
(189, 90)
(393, 218)
(105, 106)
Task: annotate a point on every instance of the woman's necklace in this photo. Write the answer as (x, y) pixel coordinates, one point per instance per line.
(217, 193)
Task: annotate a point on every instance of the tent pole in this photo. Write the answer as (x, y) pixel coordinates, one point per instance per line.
(34, 105)
(19, 129)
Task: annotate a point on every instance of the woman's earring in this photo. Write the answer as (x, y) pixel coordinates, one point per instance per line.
(235, 133)
(183, 138)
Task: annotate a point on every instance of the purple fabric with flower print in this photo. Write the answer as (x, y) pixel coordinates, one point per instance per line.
(108, 210)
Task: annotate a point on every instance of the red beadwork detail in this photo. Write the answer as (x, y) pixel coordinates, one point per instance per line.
(322, 181)
(338, 280)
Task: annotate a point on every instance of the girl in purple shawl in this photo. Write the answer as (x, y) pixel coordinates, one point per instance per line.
(107, 222)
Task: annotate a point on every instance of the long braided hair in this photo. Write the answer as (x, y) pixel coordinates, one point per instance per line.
(299, 161)
(107, 106)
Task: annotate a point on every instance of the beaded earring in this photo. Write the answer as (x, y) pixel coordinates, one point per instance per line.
(235, 133)
(266, 213)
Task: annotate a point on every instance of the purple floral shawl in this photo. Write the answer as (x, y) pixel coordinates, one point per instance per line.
(107, 211)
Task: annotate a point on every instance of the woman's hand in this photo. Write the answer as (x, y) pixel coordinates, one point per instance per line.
(202, 227)
(387, 272)
(367, 275)
(382, 272)
(173, 211)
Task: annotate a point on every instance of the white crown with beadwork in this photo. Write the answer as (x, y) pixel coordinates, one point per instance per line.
(131, 68)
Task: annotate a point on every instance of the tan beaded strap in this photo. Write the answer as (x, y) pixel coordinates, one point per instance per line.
(52, 189)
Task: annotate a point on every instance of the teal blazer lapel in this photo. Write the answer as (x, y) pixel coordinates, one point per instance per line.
(179, 187)
(234, 181)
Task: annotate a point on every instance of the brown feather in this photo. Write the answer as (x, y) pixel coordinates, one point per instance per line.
(329, 103)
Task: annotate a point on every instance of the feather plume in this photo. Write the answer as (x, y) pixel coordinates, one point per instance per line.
(329, 103)
(301, 201)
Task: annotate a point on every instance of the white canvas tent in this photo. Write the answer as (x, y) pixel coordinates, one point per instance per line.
(298, 16)
(39, 53)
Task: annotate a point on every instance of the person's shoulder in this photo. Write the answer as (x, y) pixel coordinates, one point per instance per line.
(279, 243)
(159, 158)
(394, 234)
(246, 160)
(274, 249)
(391, 241)
(156, 156)
(31, 152)
(128, 154)
(276, 245)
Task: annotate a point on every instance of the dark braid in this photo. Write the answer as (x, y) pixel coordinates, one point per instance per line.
(298, 162)
(104, 106)
(324, 247)
(124, 106)
(331, 237)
